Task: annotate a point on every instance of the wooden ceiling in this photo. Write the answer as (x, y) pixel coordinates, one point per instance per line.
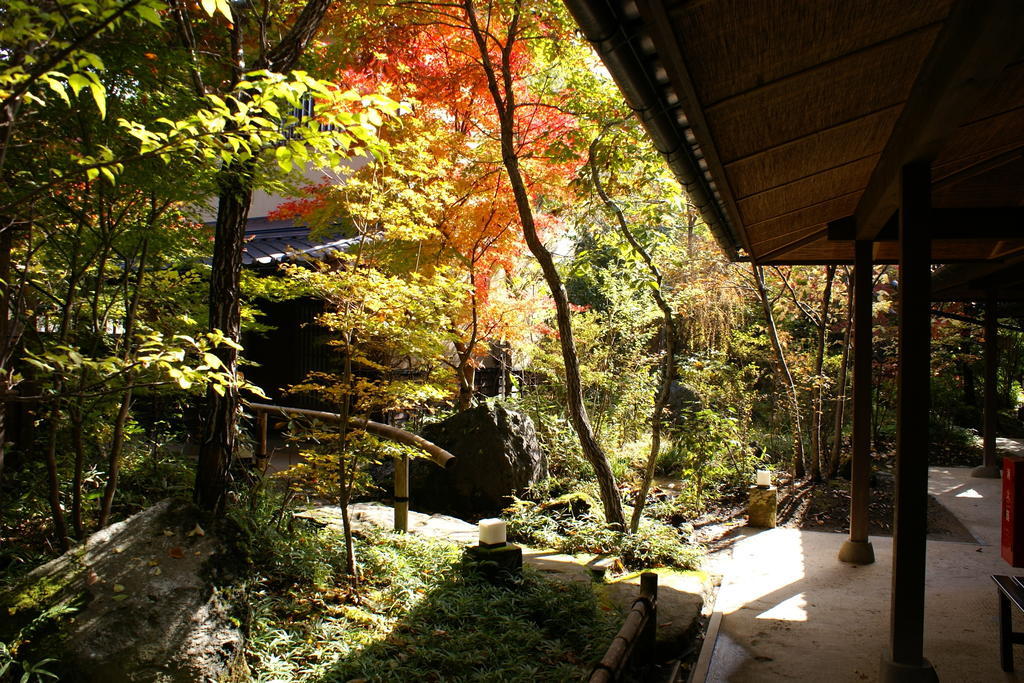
(797, 113)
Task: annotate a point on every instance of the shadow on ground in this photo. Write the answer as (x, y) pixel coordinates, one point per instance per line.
(465, 629)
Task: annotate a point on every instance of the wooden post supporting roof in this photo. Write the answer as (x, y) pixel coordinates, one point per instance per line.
(858, 549)
(905, 660)
(989, 467)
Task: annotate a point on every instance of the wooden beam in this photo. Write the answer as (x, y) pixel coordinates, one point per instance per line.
(991, 417)
(978, 168)
(794, 244)
(938, 313)
(979, 39)
(983, 223)
(975, 223)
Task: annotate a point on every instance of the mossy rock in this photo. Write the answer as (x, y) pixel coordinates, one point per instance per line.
(574, 504)
(144, 603)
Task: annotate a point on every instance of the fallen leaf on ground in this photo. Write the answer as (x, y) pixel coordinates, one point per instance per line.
(176, 552)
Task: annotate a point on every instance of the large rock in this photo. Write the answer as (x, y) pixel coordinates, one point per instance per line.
(364, 516)
(148, 608)
(497, 455)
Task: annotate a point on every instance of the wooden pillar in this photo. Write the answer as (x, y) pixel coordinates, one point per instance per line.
(858, 549)
(905, 661)
(990, 467)
(402, 493)
(261, 421)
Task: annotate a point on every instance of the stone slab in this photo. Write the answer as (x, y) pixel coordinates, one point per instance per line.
(376, 515)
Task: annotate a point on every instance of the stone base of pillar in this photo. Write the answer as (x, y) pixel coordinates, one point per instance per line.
(987, 472)
(894, 672)
(857, 552)
(762, 508)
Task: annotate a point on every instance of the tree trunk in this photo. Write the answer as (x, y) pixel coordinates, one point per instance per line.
(837, 434)
(6, 337)
(117, 438)
(668, 327)
(467, 383)
(78, 445)
(783, 373)
(817, 391)
(346, 462)
(114, 458)
(60, 527)
(217, 444)
(506, 110)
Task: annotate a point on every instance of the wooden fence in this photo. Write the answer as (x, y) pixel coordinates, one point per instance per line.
(438, 455)
(637, 635)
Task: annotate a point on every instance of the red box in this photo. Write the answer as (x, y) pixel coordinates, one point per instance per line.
(1012, 522)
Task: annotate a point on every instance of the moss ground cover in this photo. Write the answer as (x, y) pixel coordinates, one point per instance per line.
(420, 614)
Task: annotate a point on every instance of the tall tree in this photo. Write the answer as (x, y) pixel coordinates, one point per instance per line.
(501, 34)
(656, 284)
(782, 370)
(223, 61)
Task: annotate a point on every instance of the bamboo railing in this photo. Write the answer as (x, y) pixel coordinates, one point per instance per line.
(438, 455)
(637, 635)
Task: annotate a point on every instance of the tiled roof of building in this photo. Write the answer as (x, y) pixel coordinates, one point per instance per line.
(268, 242)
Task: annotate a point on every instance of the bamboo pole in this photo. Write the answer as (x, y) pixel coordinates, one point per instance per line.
(261, 420)
(636, 636)
(402, 493)
(438, 455)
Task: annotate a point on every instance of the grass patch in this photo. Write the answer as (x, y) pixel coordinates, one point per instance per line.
(420, 614)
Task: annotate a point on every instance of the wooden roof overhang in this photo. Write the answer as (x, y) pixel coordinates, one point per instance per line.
(788, 121)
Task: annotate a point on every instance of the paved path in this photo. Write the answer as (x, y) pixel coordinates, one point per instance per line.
(790, 611)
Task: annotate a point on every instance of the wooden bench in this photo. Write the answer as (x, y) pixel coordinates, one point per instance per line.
(1011, 589)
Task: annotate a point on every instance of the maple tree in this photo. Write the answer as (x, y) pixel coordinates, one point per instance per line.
(475, 225)
(498, 52)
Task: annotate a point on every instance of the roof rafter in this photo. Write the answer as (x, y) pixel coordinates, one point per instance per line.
(978, 41)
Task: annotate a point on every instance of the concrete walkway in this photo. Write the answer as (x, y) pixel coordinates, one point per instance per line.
(788, 610)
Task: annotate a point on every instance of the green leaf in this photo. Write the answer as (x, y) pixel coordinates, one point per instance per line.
(92, 173)
(59, 88)
(149, 14)
(284, 158)
(77, 82)
(100, 97)
(209, 6)
(224, 7)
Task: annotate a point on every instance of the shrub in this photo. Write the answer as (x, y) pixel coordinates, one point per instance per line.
(655, 544)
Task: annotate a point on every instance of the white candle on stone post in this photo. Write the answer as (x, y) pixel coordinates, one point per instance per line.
(492, 532)
(764, 478)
